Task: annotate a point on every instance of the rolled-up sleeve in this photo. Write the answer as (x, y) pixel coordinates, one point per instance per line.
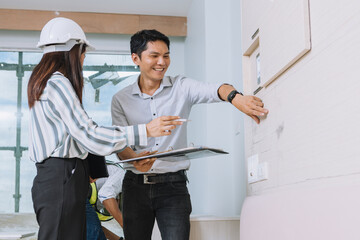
(112, 186)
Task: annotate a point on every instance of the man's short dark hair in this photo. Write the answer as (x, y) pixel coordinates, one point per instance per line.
(139, 40)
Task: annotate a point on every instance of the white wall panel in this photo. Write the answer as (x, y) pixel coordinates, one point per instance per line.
(253, 13)
(311, 134)
(284, 37)
(277, 31)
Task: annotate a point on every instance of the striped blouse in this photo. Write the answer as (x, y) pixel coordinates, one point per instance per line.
(60, 127)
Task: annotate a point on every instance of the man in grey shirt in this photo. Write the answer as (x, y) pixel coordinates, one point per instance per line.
(157, 189)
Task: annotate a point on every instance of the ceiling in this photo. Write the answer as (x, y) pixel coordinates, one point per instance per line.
(146, 7)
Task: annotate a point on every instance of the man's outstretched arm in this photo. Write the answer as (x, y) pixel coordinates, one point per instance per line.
(250, 105)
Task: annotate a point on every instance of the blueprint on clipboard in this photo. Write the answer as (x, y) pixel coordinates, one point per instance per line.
(181, 154)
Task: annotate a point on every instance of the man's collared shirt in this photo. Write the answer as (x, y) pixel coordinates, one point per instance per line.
(174, 97)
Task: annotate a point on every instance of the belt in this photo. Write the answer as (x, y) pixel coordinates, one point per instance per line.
(153, 178)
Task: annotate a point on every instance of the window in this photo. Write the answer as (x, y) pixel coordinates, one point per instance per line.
(105, 74)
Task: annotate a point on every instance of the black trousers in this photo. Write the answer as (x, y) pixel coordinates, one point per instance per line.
(59, 192)
(169, 203)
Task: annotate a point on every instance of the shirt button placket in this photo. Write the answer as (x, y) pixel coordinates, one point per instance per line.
(153, 108)
(154, 115)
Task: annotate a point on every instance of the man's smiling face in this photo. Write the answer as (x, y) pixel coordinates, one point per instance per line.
(154, 61)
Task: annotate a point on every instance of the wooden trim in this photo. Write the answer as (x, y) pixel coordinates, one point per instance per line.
(13, 19)
(170, 25)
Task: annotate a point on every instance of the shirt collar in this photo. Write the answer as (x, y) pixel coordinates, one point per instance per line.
(166, 82)
(136, 88)
(58, 73)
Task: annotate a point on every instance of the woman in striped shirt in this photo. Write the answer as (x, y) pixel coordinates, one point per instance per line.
(62, 134)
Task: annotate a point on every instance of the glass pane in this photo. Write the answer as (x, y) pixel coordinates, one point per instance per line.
(9, 57)
(108, 59)
(25, 112)
(27, 174)
(31, 58)
(8, 97)
(101, 85)
(7, 178)
(12, 124)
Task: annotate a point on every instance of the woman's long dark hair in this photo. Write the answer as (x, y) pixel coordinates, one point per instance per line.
(68, 63)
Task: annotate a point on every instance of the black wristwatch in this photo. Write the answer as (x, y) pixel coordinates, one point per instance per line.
(232, 95)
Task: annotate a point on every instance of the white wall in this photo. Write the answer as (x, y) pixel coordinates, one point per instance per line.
(212, 54)
(310, 138)
(311, 134)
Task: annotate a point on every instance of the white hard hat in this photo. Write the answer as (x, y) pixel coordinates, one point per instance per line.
(61, 34)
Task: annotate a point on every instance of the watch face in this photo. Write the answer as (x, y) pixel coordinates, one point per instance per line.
(232, 95)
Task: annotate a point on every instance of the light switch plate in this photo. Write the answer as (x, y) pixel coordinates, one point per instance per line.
(253, 162)
(257, 171)
(262, 171)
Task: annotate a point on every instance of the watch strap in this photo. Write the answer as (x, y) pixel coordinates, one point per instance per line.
(232, 95)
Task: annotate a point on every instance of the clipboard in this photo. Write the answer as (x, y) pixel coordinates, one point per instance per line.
(97, 166)
(181, 154)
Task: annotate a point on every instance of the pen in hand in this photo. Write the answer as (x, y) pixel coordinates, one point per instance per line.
(183, 120)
